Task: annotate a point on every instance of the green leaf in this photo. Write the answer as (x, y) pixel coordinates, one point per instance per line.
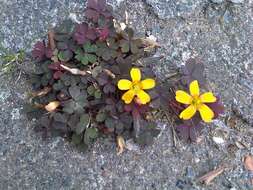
(96, 71)
(62, 45)
(92, 133)
(134, 48)
(101, 117)
(60, 117)
(98, 94)
(83, 124)
(89, 48)
(76, 139)
(65, 55)
(84, 60)
(91, 90)
(110, 123)
(58, 86)
(66, 27)
(124, 46)
(112, 43)
(74, 92)
(91, 58)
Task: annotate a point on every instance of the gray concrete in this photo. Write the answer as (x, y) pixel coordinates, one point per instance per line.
(220, 32)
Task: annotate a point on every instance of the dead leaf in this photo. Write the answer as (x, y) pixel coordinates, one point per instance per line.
(52, 106)
(42, 92)
(248, 162)
(109, 73)
(150, 43)
(209, 177)
(121, 145)
(75, 71)
(51, 42)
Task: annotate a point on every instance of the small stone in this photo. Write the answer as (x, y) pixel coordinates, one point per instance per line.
(237, 1)
(190, 174)
(218, 140)
(180, 184)
(217, 1)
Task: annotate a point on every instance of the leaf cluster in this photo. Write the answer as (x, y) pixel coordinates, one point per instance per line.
(96, 55)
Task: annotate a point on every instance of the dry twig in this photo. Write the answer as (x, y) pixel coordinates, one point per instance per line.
(75, 71)
(51, 42)
(209, 177)
(121, 145)
(109, 73)
(42, 92)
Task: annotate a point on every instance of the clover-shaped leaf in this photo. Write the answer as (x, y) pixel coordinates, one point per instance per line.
(89, 48)
(90, 135)
(100, 117)
(85, 55)
(83, 124)
(65, 55)
(74, 92)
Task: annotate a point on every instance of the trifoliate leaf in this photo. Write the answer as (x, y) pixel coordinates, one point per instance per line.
(74, 92)
(97, 94)
(92, 133)
(65, 55)
(76, 139)
(101, 117)
(89, 48)
(83, 124)
(91, 90)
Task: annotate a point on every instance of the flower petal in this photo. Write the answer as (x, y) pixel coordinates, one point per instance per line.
(208, 97)
(206, 113)
(183, 97)
(148, 84)
(124, 84)
(143, 96)
(194, 88)
(188, 112)
(135, 74)
(128, 96)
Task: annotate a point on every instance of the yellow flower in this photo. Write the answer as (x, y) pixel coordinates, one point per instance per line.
(196, 103)
(136, 87)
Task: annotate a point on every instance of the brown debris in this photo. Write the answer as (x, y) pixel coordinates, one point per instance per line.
(150, 44)
(121, 145)
(42, 92)
(210, 176)
(51, 42)
(109, 73)
(52, 106)
(248, 164)
(75, 71)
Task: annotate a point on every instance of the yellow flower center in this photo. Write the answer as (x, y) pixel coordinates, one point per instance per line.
(136, 86)
(196, 102)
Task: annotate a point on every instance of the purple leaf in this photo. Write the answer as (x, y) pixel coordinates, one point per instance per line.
(92, 14)
(109, 88)
(96, 8)
(103, 33)
(193, 70)
(217, 107)
(188, 132)
(97, 4)
(57, 75)
(40, 51)
(58, 70)
(83, 33)
(56, 66)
